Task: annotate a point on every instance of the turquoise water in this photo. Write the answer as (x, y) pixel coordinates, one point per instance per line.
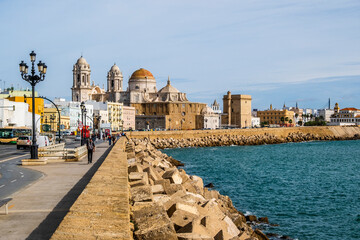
(311, 189)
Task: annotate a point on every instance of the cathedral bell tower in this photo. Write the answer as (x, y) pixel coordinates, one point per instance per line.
(114, 83)
(81, 89)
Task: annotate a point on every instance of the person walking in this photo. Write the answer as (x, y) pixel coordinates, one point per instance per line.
(109, 138)
(91, 148)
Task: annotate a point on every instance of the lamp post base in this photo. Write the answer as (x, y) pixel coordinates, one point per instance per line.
(34, 152)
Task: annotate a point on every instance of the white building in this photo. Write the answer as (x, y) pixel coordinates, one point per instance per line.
(72, 109)
(345, 116)
(16, 114)
(216, 107)
(255, 122)
(325, 114)
(209, 119)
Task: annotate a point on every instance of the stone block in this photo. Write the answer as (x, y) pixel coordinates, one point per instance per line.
(137, 183)
(135, 176)
(135, 167)
(141, 194)
(157, 189)
(153, 223)
(170, 189)
(181, 214)
(130, 155)
(198, 184)
(131, 161)
(152, 173)
(231, 228)
(193, 236)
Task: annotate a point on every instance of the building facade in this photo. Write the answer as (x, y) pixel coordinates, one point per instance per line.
(236, 110)
(128, 118)
(282, 117)
(16, 114)
(345, 116)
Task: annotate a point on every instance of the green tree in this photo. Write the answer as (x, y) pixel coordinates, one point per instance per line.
(300, 123)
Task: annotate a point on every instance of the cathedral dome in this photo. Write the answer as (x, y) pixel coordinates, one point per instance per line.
(81, 61)
(142, 73)
(115, 68)
(168, 88)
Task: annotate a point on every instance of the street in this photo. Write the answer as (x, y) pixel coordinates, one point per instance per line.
(13, 176)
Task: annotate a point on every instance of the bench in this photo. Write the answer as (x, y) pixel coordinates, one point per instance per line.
(5, 202)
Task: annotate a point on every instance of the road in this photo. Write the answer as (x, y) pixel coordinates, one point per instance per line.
(13, 176)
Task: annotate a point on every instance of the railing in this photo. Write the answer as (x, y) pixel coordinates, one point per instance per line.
(59, 152)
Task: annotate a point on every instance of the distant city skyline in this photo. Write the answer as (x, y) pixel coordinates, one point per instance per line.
(278, 52)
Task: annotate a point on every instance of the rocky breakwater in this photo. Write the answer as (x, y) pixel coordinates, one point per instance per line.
(166, 203)
(228, 140)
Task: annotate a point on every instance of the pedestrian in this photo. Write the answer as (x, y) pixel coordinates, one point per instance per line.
(113, 139)
(91, 148)
(109, 138)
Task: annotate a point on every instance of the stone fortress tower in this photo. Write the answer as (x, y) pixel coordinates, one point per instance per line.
(114, 84)
(81, 89)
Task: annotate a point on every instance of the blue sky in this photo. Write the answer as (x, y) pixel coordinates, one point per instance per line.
(277, 51)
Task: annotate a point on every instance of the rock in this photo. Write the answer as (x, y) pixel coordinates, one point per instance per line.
(260, 235)
(173, 175)
(264, 219)
(157, 189)
(154, 175)
(153, 223)
(251, 218)
(210, 185)
(181, 214)
(141, 194)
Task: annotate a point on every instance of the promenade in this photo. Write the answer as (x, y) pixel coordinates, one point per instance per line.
(37, 210)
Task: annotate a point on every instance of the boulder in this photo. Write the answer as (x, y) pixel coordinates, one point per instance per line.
(153, 223)
(141, 194)
(152, 173)
(173, 175)
(251, 218)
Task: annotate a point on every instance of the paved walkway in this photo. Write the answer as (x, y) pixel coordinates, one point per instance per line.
(38, 209)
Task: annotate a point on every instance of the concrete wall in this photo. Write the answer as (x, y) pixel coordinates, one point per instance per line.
(336, 131)
(102, 210)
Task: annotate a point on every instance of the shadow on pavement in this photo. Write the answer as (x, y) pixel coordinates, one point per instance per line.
(47, 227)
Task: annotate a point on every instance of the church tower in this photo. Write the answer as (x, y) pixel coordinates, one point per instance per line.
(81, 89)
(114, 83)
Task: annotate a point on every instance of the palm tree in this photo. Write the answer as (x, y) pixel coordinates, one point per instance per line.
(290, 121)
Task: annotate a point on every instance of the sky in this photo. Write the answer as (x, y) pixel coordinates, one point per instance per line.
(276, 51)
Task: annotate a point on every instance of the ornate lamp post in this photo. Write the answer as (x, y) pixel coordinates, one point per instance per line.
(82, 108)
(85, 111)
(33, 79)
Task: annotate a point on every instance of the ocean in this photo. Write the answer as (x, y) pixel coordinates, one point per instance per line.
(311, 190)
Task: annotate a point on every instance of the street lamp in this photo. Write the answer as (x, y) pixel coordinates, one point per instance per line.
(82, 108)
(33, 79)
(85, 111)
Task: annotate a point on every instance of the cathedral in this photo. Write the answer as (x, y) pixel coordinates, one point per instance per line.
(167, 108)
(141, 87)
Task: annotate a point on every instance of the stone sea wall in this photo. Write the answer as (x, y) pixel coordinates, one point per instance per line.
(166, 203)
(209, 138)
(102, 210)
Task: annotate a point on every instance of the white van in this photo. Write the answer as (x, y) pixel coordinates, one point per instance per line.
(42, 141)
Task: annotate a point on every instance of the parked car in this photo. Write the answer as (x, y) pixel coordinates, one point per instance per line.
(24, 142)
(43, 141)
(77, 138)
(66, 133)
